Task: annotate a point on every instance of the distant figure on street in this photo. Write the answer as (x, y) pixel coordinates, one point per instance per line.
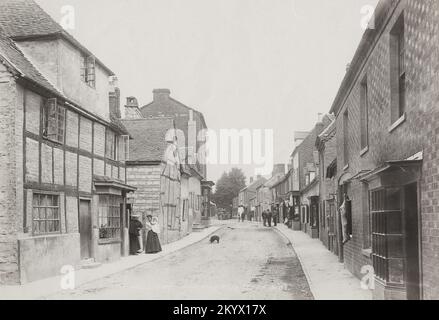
(152, 244)
(269, 217)
(275, 216)
(134, 234)
(241, 214)
(264, 217)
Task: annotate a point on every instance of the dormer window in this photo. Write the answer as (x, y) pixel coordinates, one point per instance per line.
(88, 70)
(54, 121)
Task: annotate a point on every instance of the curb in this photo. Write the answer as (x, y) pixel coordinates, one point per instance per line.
(305, 271)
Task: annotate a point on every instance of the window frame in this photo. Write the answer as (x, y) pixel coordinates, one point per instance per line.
(398, 73)
(364, 115)
(57, 209)
(55, 117)
(111, 205)
(383, 238)
(88, 70)
(346, 138)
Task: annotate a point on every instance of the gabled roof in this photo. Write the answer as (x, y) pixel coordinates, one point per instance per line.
(13, 56)
(253, 186)
(149, 138)
(274, 179)
(26, 20)
(170, 103)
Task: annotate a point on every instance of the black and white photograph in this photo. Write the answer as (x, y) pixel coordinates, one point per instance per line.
(219, 150)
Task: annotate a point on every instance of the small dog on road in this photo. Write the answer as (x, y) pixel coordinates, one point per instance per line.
(214, 238)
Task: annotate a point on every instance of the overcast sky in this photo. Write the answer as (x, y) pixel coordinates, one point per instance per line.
(244, 63)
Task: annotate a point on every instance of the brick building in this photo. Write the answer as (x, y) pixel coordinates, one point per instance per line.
(387, 151)
(162, 182)
(191, 133)
(303, 184)
(326, 144)
(63, 187)
(249, 193)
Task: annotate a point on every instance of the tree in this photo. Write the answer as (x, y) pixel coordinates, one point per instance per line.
(228, 187)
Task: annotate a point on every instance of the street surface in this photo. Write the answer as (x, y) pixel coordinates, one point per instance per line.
(251, 262)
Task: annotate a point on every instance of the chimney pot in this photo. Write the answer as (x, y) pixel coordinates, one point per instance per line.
(132, 102)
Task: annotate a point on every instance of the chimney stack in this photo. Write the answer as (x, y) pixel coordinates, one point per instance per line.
(132, 110)
(114, 98)
(161, 94)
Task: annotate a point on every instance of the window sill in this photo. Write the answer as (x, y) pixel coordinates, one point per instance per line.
(346, 167)
(367, 253)
(364, 151)
(53, 141)
(397, 123)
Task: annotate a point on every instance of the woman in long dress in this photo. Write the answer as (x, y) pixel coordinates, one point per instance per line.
(152, 239)
(134, 233)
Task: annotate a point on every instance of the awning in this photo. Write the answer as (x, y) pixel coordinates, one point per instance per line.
(390, 166)
(105, 183)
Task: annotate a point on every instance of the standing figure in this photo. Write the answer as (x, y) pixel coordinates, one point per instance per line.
(240, 214)
(152, 244)
(264, 217)
(269, 217)
(275, 216)
(134, 234)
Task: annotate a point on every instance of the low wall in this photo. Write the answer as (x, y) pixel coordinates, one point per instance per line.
(42, 257)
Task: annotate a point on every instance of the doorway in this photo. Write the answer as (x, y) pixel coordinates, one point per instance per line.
(332, 227)
(85, 228)
(412, 241)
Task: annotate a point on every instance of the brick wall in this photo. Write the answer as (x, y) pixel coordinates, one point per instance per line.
(9, 155)
(418, 132)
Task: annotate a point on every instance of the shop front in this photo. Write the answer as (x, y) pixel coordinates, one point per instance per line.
(395, 227)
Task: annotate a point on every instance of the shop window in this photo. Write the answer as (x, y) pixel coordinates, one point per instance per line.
(45, 214)
(109, 217)
(387, 235)
(88, 70)
(54, 121)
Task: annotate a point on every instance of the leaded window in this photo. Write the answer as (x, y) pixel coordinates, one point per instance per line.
(88, 70)
(54, 120)
(387, 235)
(45, 214)
(109, 217)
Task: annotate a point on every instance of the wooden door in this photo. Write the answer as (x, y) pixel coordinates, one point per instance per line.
(412, 242)
(85, 228)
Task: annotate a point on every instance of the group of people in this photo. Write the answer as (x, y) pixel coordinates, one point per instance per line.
(150, 240)
(269, 216)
